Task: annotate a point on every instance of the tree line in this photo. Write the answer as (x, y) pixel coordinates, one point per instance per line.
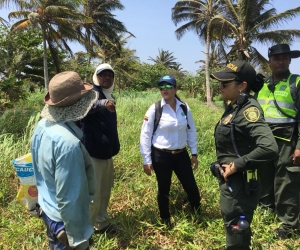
(231, 29)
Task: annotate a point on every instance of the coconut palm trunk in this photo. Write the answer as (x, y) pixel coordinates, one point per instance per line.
(198, 15)
(46, 75)
(208, 96)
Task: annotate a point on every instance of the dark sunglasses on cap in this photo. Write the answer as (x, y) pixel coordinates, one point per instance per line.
(167, 86)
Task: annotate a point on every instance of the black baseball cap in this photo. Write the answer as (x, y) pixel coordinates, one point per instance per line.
(236, 70)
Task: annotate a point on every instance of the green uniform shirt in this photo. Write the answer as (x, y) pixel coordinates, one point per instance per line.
(253, 136)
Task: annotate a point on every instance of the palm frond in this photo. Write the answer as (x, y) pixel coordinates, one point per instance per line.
(277, 36)
(20, 25)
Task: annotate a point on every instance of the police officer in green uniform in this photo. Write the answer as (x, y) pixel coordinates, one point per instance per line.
(280, 100)
(243, 142)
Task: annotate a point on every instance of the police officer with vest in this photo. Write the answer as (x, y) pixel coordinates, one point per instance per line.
(243, 142)
(280, 100)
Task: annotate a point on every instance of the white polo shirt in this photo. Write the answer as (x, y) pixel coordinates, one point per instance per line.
(171, 133)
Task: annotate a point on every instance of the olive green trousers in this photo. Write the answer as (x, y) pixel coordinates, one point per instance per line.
(281, 186)
(234, 202)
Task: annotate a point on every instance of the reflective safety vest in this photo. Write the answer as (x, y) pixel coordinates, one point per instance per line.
(283, 97)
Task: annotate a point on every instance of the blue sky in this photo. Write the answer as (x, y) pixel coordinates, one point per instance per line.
(150, 22)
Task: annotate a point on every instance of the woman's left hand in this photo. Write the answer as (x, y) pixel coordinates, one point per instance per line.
(229, 170)
(194, 161)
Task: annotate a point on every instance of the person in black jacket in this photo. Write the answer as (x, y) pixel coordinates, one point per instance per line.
(102, 142)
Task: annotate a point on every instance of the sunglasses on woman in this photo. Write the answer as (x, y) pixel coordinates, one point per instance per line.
(224, 84)
(167, 86)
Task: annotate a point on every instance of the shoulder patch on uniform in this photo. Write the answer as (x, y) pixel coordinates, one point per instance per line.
(227, 119)
(252, 114)
(146, 118)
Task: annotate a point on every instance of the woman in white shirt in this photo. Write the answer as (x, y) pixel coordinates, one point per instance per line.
(164, 148)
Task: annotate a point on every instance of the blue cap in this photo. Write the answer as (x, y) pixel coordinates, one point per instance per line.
(167, 78)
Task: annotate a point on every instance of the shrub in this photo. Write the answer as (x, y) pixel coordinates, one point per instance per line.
(14, 121)
(10, 92)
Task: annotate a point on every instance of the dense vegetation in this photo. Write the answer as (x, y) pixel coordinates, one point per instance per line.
(133, 204)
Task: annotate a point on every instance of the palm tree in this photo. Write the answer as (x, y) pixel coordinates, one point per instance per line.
(122, 59)
(217, 61)
(110, 50)
(248, 22)
(165, 58)
(3, 21)
(177, 67)
(55, 18)
(125, 66)
(104, 26)
(198, 14)
(217, 58)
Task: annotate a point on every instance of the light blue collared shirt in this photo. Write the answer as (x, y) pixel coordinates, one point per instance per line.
(64, 178)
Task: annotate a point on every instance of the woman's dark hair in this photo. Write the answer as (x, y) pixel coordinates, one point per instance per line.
(257, 84)
(177, 97)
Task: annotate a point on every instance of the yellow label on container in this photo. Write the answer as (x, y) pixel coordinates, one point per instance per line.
(27, 158)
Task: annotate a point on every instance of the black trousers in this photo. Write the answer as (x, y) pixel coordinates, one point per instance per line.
(164, 163)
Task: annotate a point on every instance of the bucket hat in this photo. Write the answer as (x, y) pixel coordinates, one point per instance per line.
(167, 78)
(283, 48)
(236, 70)
(68, 98)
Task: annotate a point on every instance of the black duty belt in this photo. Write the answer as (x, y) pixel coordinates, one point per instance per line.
(175, 151)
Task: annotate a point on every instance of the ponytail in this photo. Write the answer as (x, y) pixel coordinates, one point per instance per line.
(177, 97)
(258, 83)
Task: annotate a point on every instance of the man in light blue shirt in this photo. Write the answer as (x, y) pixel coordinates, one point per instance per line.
(62, 166)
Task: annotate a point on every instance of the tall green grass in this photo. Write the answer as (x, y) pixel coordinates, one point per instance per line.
(133, 203)
(14, 121)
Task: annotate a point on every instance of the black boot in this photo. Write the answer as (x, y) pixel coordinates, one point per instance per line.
(167, 222)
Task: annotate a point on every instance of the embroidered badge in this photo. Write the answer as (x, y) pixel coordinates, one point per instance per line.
(227, 119)
(283, 87)
(145, 118)
(232, 66)
(252, 114)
